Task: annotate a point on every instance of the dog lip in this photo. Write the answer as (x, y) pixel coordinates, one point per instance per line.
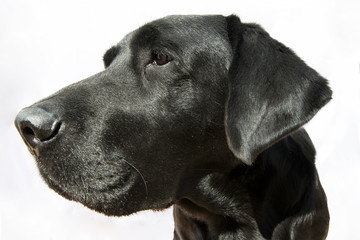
(87, 192)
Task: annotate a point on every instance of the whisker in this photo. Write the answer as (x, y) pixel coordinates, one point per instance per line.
(142, 177)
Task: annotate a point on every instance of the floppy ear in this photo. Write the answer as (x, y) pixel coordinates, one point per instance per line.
(272, 92)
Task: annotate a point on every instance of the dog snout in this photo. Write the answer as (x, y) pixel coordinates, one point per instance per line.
(37, 126)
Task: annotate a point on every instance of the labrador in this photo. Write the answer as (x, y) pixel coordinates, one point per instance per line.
(204, 113)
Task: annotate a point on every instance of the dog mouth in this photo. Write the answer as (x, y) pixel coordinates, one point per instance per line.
(102, 192)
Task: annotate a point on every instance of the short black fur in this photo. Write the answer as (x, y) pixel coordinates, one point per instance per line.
(204, 113)
(110, 55)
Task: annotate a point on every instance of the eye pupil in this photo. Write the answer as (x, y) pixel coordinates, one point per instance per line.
(161, 59)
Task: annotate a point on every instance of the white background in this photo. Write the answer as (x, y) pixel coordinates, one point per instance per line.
(46, 45)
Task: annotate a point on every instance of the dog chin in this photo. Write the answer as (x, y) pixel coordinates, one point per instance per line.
(110, 199)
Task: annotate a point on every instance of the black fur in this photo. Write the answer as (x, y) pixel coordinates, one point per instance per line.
(200, 112)
(110, 55)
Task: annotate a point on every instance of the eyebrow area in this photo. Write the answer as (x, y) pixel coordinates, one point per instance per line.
(110, 55)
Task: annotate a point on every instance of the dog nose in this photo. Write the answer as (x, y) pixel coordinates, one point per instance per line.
(37, 125)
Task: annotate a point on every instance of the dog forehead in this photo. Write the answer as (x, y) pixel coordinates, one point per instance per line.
(187, 36)
(198, 23)
(184, 29)
(192, 27)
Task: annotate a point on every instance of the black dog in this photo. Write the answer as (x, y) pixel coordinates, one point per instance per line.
(200, 112)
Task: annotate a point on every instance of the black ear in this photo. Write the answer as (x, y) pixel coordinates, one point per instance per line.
(272, 92)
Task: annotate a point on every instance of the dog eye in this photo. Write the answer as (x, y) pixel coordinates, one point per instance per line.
(160, 59)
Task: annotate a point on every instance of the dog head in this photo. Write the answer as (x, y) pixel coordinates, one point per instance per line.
(178, 95)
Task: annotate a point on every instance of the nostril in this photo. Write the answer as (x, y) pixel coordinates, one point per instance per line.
(28, 131)
(29, 136)
(37, 125)
(54, 132)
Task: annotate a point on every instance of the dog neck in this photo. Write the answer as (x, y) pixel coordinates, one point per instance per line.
(251, 200)
(219, 206)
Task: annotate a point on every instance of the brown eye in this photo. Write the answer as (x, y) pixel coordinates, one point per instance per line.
(160, 59)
